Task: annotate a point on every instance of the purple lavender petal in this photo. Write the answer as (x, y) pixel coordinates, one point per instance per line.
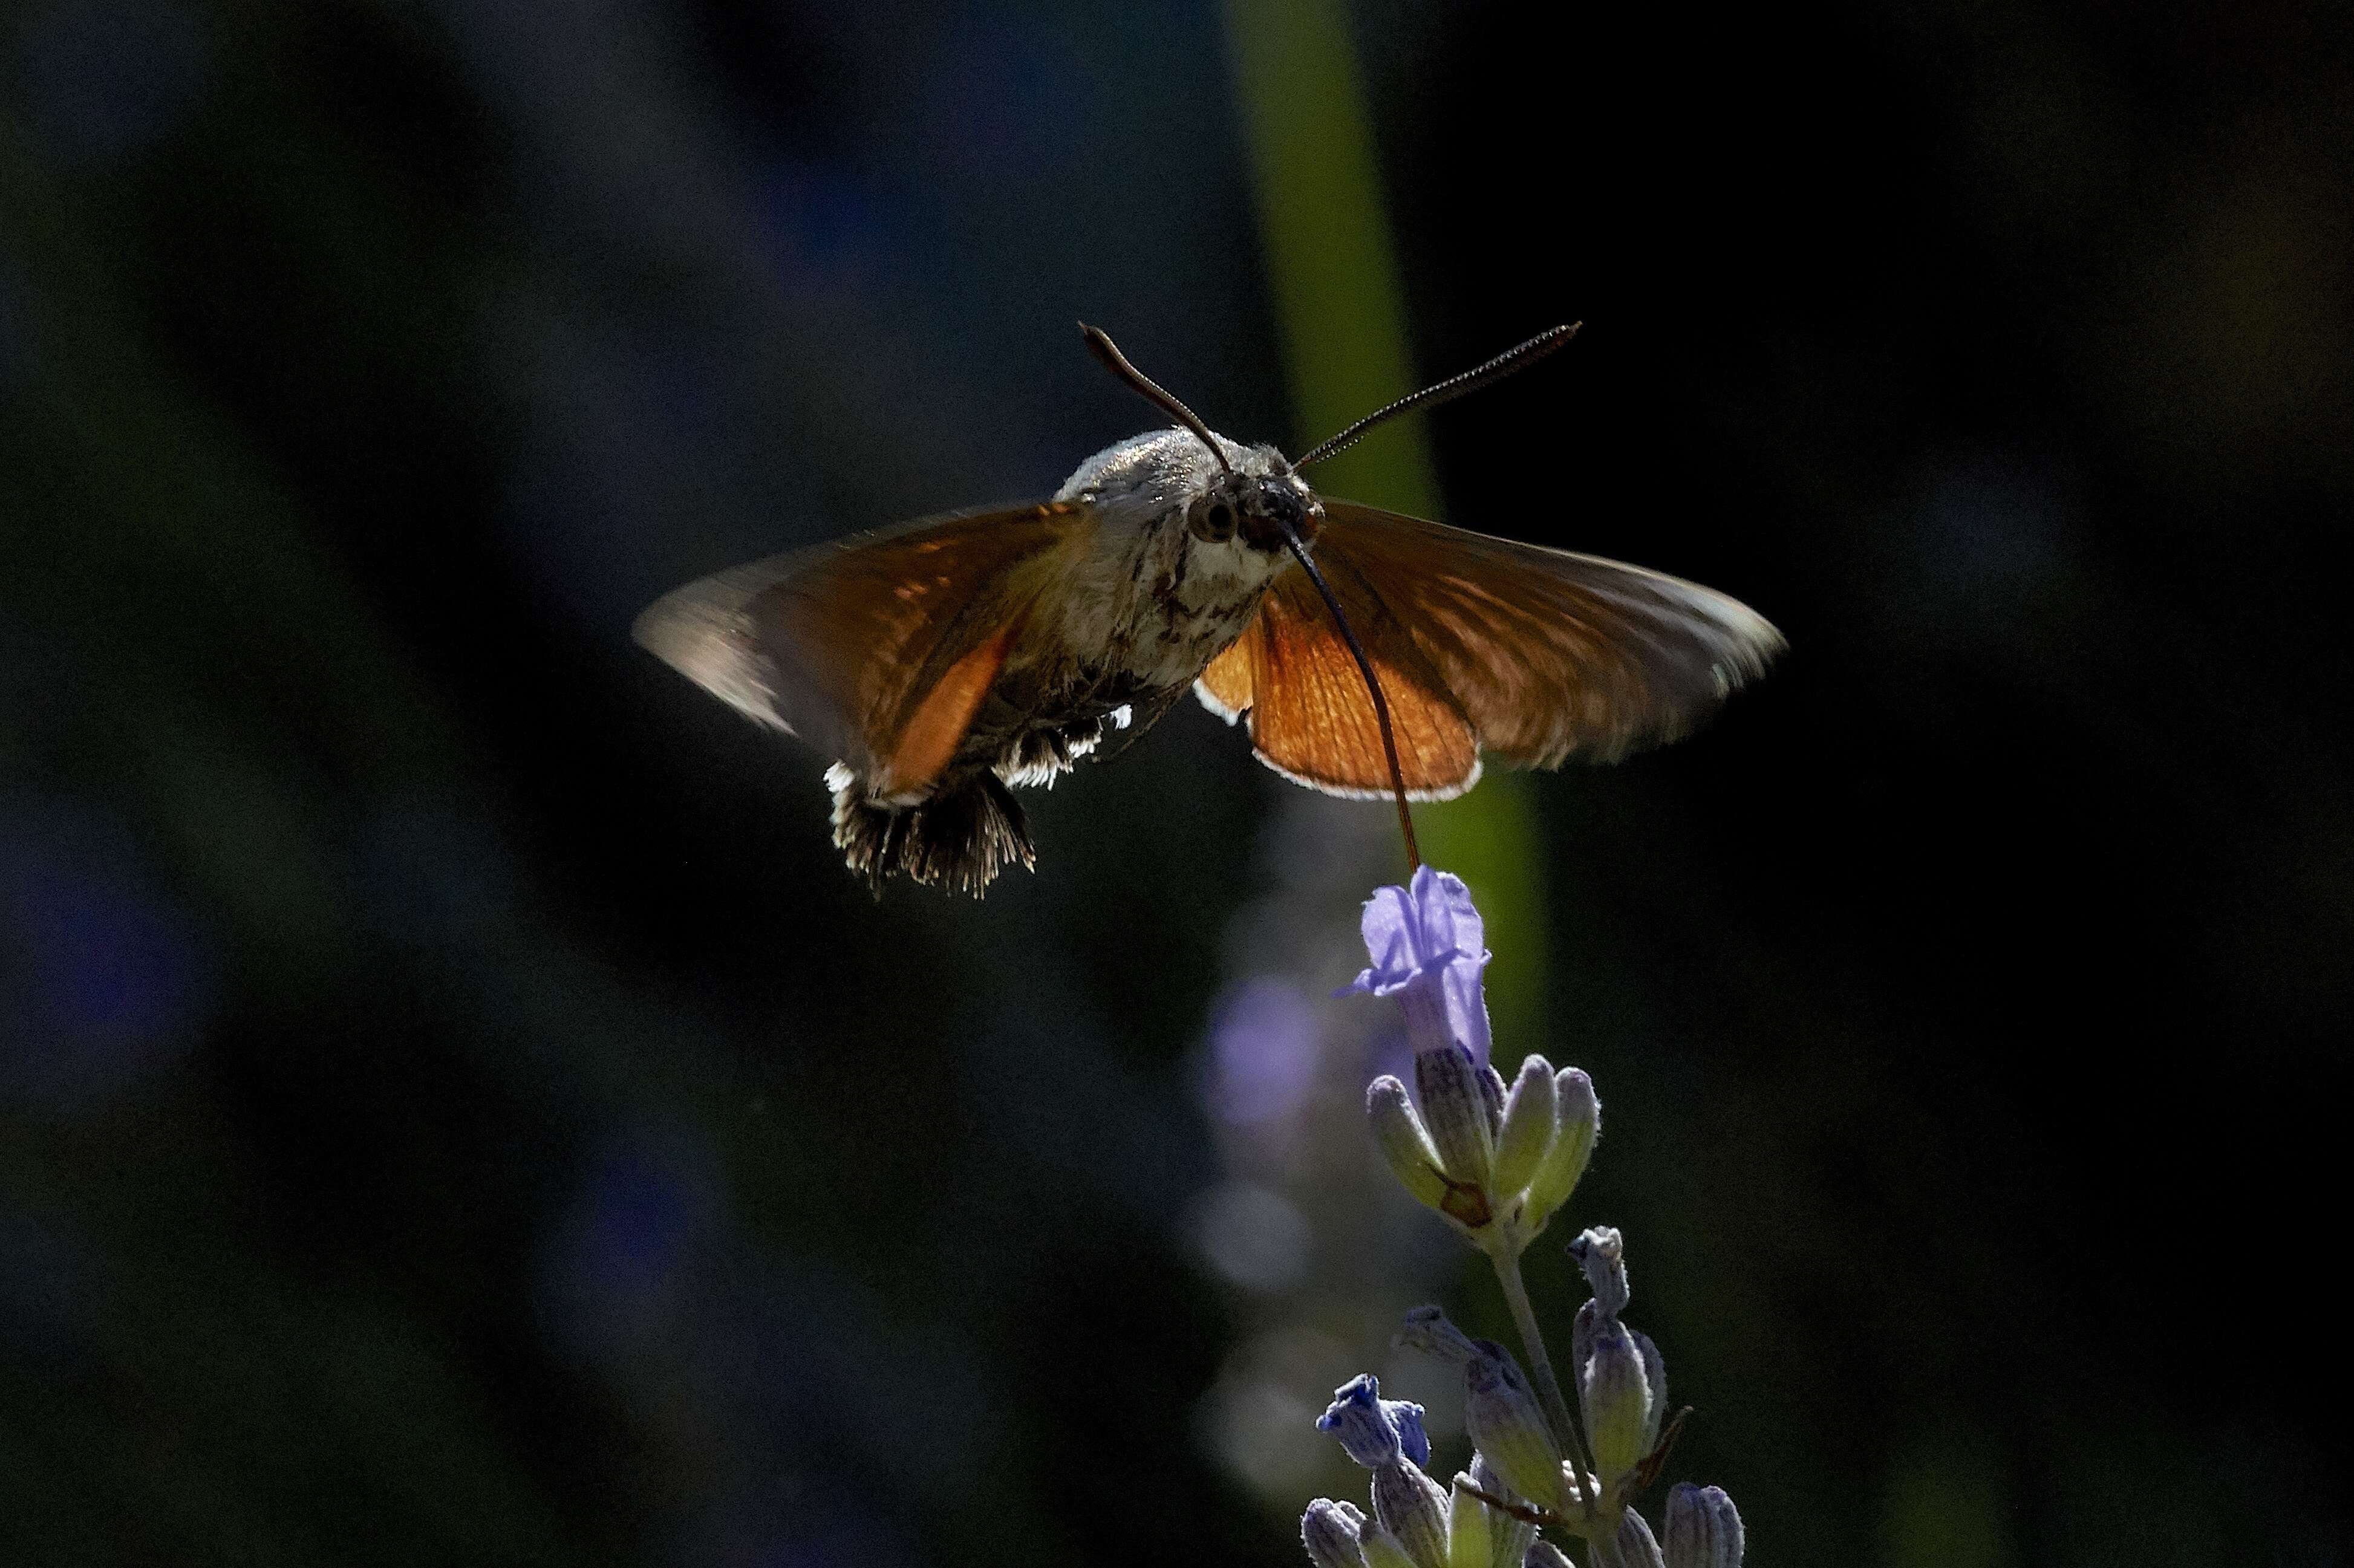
(1405, 1419)
(1391, 942)
(1357, 1420)
(1427, 944)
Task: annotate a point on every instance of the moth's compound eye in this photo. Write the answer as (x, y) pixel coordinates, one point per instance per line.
(1216, 522)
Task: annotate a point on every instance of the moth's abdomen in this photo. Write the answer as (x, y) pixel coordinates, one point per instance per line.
(966, 826)
(958, 839)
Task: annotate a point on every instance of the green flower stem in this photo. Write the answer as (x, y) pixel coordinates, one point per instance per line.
(1558, 1410)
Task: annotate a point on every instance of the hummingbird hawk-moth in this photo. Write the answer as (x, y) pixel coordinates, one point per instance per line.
(942, 662)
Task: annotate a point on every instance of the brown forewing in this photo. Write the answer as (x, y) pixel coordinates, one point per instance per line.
(874, 649)
(1551, 656)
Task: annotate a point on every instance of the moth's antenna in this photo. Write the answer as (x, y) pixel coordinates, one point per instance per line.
(1372, 684)
(1100, 345)
(1446, 391)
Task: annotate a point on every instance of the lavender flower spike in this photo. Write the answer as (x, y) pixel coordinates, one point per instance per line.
(1427, 947)
(1373, 1430)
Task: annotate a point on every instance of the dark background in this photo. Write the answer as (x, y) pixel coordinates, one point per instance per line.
(455, 1107)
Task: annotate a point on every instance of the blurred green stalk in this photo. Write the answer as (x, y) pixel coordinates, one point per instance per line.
(1341, 317)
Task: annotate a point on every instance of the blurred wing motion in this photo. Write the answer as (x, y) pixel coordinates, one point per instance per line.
(875, 649)
(1537, 655)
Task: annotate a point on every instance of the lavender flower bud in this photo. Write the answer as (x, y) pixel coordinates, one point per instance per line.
(1615, 1390)
(1381, 1549)
(1426, 1330)
(1704, 1530)
(1331, 1531)
(1398, 1132)
(1655, 1376)
(1578, 1122)
(1453, 1102)
(1371, 1430)
(1413, 1508)
(1507, 1427)
(1508, 1537)
(1634, 1547)
(1492, 1098)
(1469, 1543)
(1528, 1128)
(1602, 1253)
(1545, 1555)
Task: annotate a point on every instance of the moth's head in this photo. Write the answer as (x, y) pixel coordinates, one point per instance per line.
(1258, 507)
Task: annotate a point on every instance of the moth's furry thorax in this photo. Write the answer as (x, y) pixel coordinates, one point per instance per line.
(1182, 553)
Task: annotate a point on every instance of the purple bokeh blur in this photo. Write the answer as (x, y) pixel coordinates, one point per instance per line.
(105, 978)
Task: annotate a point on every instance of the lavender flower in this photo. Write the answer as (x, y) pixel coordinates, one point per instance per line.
(1498, 1162)
(1374, 1431)
(1428, 946)
(1410, 1513)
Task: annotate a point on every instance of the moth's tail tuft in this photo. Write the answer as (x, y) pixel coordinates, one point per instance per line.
(958, 840)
